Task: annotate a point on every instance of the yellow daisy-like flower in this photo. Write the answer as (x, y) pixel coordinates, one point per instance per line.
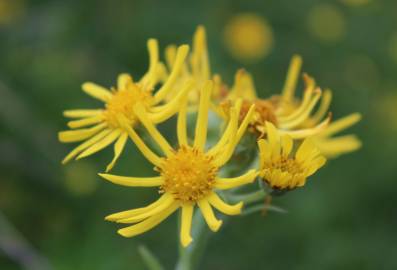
(279, 168)
(330, 147)
(188, 174)
(287, 115)
(99, 128)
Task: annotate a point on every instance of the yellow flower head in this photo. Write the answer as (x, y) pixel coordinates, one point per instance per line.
(99, 128)
(288, 105)
(288, 114)
(188, 174)
(279, 168)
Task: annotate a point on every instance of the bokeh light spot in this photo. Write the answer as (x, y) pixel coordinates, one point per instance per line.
(361, 72)
(326, 23)
(248, 37)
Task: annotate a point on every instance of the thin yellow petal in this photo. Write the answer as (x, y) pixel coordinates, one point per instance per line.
(139, 111)
(304, 114)
(202, 117)
(170, 55)
(85, 121)
(186, 224)
(178, 64)
(123, 80)
(243, 126)
(228, 183)
(336, 146)
(136, 211)
(149, 154)
(77, 135)
(341, 124)
(181, 124)
(227, 135)
(292, 78)
(97, 91)
(304, 133)
(81, 113)
(173, 106)
(286, 145)
(118, 148)
(324, 106)
(85, 145)
(199, 60)
(100, 144)
(225, 208)
(133, 181)
(149, 223)
(168, 201)
(213, 223)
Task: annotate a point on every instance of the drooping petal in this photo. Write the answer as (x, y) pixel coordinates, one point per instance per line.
(228, 183)
(139, 110)
(213, 223)
(85, 145)
(303, 133)
(118, 148)
(225, 208)
(186, 224)
(149, 223)
(136, 211)
(98, 146)
(168, 201)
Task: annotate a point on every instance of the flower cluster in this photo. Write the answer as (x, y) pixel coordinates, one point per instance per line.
(194, 172)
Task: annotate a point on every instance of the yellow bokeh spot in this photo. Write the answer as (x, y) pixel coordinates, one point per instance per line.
(326, 23)
(11, 10)
(355, 3)
(393, 47)
(80, 178)
(248, 37)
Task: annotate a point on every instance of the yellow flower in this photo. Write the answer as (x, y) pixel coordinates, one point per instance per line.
(286, 113)
(99, 128)
(279, 168)
(188, 174)
(330, 147)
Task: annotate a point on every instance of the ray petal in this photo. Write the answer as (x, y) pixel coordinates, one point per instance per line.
(213, 223)
(77, 135)
(202, 117)
(97, 91)
(228, 183)
(186, 224)
(81, 113)
(133, 181)
(118, 148)
(98, 146)
(149, 223)
(225, 208)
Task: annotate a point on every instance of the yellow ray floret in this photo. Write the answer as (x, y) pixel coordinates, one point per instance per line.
(188, 175)
(281, 169)
(126, 105)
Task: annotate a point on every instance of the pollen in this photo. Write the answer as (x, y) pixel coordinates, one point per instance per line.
(189, 174)
(122, 103)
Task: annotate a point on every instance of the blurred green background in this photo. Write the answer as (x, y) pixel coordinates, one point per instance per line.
(51, 216)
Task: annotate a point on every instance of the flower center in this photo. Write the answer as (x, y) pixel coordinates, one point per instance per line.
(264, 111)
(189, 174)
(284, 173)
(122, 104)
